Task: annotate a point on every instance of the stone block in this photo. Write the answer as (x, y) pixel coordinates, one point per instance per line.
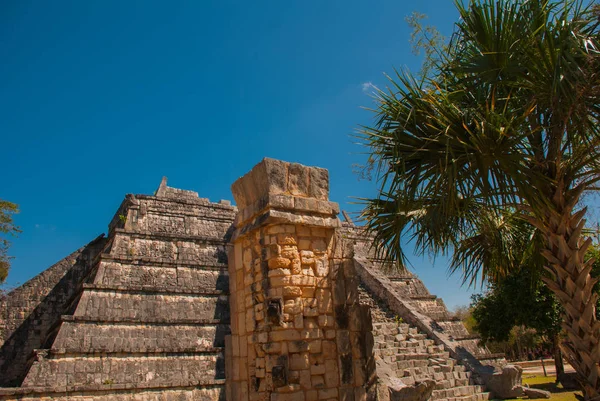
(296, 396)
(315, 346)
(285, 335)
(331, 373)
(317, 381)
(328, 393)
(317, 370)
(279, 263)
(298, 177)
(291, 292)
(319, 183)
(299, 361)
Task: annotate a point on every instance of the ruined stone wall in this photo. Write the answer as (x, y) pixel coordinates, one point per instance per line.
(298, 332)
(28, 313)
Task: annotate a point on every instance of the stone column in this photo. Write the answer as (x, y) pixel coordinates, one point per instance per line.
(298, 332)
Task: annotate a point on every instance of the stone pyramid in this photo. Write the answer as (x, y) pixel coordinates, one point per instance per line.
(149, 312)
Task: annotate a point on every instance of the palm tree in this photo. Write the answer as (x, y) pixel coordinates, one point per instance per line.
(506, 120)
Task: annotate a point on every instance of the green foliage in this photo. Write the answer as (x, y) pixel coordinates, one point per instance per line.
(521, 299)
(502, 131)
(7, 229)
(481, 134)
(516, 301)
(594, 253)
(426, 40)
(465, 315)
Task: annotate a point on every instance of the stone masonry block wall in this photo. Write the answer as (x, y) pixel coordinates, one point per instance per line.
(139, 337)
(179, 216)
(109, 304)
(128, 369)
(28, 313)
(298, 332)
(198, 251)
(164, 277)
(117, 393)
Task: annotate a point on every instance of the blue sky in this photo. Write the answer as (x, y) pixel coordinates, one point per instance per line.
(101, 99)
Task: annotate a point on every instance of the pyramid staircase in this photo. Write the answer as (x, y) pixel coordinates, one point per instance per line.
(414, 357)
(415, 292)
(153, 313)
(415, 335)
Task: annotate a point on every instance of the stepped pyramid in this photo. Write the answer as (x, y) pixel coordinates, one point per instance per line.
(149, 313)
(152, 312)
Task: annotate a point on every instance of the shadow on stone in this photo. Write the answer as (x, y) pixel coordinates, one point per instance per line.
(36, 331)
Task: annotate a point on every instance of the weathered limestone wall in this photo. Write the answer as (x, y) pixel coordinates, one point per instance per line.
(298, 332)
(28, 313)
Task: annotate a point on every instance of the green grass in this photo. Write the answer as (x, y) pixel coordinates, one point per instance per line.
(547, 383)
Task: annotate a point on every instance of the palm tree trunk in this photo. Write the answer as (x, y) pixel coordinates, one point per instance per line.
(558, 359)
(572, 284)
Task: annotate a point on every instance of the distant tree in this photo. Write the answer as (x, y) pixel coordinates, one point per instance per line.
(465, 315)
(519, 300)
(7, 229)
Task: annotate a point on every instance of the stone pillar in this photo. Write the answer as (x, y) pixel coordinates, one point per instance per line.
(298, 332)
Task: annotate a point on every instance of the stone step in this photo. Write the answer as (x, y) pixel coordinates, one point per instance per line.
(453, 392)
(469, 337)
(402, 360)
(431, 357)
(162, 262)
(432, 351)
(158, 277)
(457, 391)
(172, 237)
(422, 370)
(401, 341)
(483, 396)
(109, 305)
(490, 356)
(201, 251)
(446, 383)
(149, 320)
(423, 297)
(413, 356)
(436, 315)
(415, 376)
(473, 397)
(57, 353)
(402, 338)
(136, 369)
(431, 368)
(201, 390)
(418, 337)
(389, 328)
(401, 278)
(139, 337)
(390, 349)
(151, 289)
